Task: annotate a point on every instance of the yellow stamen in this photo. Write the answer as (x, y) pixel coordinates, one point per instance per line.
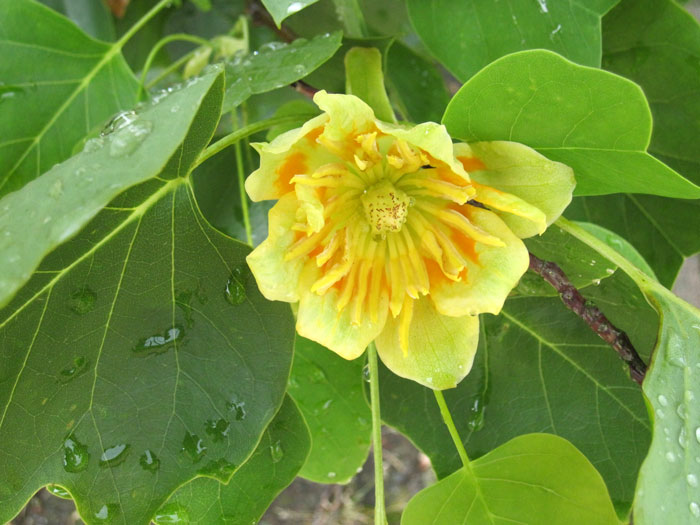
(460, 223)
(376, 283)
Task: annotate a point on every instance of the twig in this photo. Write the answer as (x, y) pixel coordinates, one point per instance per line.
(592, 316)
(260, 16)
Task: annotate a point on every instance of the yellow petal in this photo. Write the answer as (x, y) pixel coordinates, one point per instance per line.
(439, 351)
(346, 114)
(278, 279)
(489, 278)
(292, 153)
(318, 318)
(520, 171)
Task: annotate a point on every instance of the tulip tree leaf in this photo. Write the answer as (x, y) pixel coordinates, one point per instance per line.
(667, 489)
(539, 368)
(281, 9)
(73, 192)
(466, 36)
(58, 86)
(276, 66)
(140, 350)
(579, 262)
(657, 227)
(274, 464)
(329, 392)
(600, 128)
(536, 478)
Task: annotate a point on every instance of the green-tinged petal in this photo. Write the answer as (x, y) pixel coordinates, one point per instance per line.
(347, 114)
(440, 348)
(430, 137)
(278, 279)
(521, 171)
(294, 152)
(318, 318)
(490, 278)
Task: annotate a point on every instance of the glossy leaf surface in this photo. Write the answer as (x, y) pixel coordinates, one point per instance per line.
(601, 126)
(58, 86)
(328, 391)
(274, 464)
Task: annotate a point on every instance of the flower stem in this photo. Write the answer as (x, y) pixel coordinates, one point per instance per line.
(450, 424)
(246, 131)
(142, 22)
(379, 510)
(241, 182)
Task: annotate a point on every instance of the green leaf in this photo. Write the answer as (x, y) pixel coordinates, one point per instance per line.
(276, 65)
(364, 78)
(656, 43)
(657, 227)
(274, 464)
(539, 368)
(466, 36)
(415, 84)
(597, 123)
(281, 9)
(58, 85)
(141, 347)
(580, 263)
(537, 478)
(667, 489)
(329, 392)
(73, 192)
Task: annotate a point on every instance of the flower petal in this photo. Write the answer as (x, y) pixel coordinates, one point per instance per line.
(491, 274)
(318, 318)
(440, 349)
(520, 171)
(278, 279)
(430, 137)
(346, 114)
(294, 152)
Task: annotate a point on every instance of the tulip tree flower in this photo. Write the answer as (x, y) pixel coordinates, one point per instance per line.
(392, 233)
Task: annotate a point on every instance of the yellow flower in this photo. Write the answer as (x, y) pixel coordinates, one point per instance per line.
(395, 234)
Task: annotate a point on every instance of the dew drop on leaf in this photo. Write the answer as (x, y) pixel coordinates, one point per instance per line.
(692, 480)
(220, 469)
(218, 429)
(82, 300)
(670, 457)
(149, 461)
(276, 452)
(58, 491)
(171, 513)
(662, 400)
(75, 455)
(193, 447)
(234, 292)
(78, 368)
(694, 509)
(475, 419)
(238, 409)
(159, 343)
(114, 456)
(366, 373)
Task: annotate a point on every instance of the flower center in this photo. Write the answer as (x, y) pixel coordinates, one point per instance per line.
(386, 207)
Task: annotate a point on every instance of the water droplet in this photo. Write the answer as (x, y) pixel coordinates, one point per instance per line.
(128, 139)
(331, 475)
(219, 469)
(429, 380)
(159, 343)
(294, 7)
(475, 419)
(662, 400)
(697, 434)
(217, 429)
(107, 512)
(366, 375)
(670, 457)
(234, 293)
(299, 69)
(692, 480)
(694, 509)
(682, 438)
(660, 413)
(75, 455)
(175, 109)
(59, 491)
(114, 456)
(238, 409)
(271, 46)
(276, 452)
(149, 461)
(193, 447)
(93, 145)
(681, 411)
(78, 368)
(327, 403)
(82, 300)
(543, 6)
(171, 513)
(119, 121)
